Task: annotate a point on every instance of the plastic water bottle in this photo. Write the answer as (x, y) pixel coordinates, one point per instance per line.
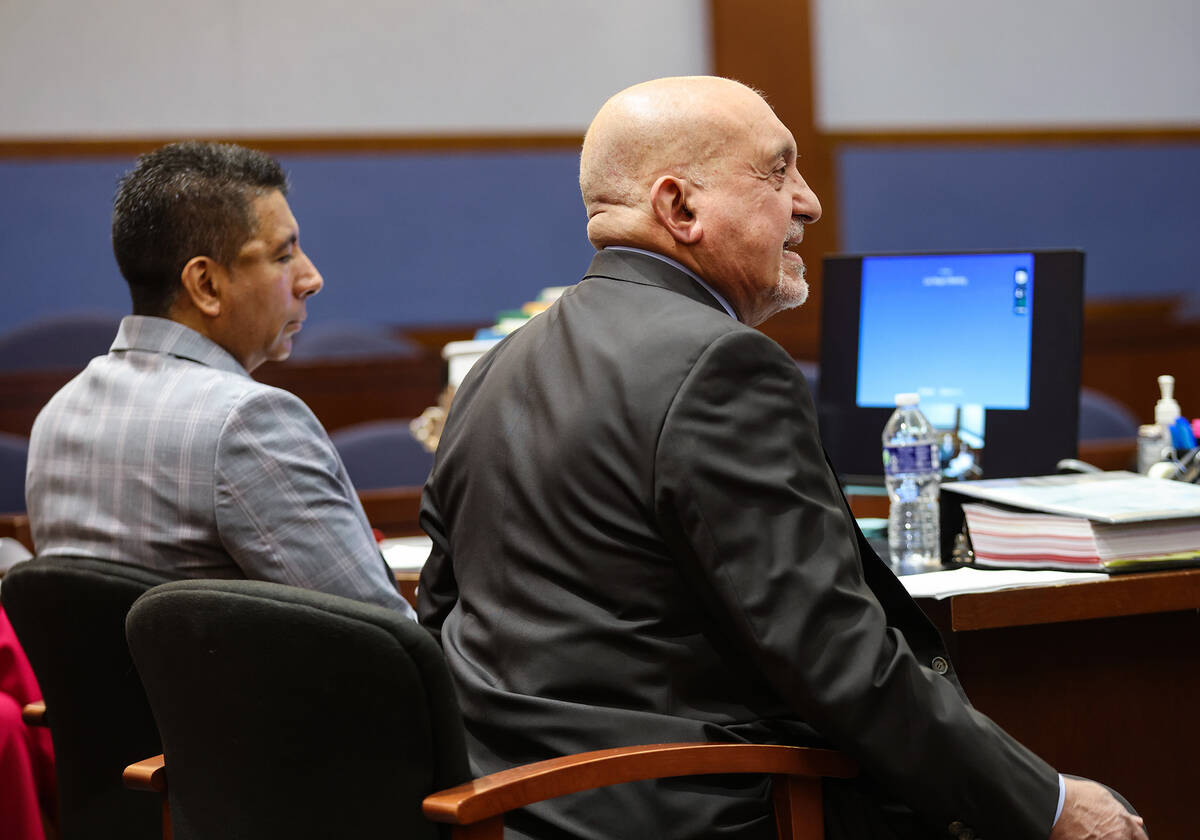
(912, 470)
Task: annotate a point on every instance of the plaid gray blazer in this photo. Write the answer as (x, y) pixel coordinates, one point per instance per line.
(165, 454)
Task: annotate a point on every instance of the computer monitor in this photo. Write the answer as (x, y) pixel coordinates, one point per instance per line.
(991, 342)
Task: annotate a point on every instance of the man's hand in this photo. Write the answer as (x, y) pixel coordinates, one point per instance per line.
(1091, 813)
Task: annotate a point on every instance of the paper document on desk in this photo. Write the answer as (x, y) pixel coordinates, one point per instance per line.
(406, 554)
(11, 553)
(1113, 497)
(1030, 540)
(964, 580)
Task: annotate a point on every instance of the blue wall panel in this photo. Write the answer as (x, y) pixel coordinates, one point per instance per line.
(454, 237)
(55, 250)
(1132, 208)
(404, 238)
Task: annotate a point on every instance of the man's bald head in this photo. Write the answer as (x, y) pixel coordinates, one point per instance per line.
(700, 170)
(674, 126)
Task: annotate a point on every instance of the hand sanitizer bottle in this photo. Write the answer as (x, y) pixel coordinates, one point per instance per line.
(1154, 439)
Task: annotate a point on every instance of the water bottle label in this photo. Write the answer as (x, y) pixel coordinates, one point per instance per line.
(910, 458)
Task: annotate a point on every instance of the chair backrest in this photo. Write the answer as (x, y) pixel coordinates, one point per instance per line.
(69, 614)
(291, 713)
(66, 341)
(14, 452)
(345, 341)
(1102, 418)
(382, 453)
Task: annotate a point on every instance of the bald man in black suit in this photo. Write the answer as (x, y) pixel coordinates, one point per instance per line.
(637, 537)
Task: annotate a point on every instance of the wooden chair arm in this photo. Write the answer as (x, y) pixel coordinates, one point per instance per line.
(34, 714)
(490, 796)
(148, 774)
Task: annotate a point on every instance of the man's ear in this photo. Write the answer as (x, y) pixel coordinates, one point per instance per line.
(669, 198)
(203, 280)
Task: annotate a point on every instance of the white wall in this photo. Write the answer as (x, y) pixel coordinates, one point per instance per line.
(115, 68)
(930, 64)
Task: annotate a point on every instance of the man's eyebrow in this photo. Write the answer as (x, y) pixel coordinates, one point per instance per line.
(784, 153)
(287, 243)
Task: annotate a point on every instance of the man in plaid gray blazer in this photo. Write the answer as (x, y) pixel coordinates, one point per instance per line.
(165, 454)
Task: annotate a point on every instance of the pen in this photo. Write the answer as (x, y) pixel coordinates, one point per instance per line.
(1181, 435)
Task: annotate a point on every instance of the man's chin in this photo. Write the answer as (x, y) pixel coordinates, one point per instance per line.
(789, 293)
(281, 351)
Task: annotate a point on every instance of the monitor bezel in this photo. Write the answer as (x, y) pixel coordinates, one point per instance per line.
(1018, 442)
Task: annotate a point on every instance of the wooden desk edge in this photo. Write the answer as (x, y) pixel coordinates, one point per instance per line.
(16, 525)
(1120, 595)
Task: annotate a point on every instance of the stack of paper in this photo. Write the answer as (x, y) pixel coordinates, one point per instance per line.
(1019, 539)
(1108, 521)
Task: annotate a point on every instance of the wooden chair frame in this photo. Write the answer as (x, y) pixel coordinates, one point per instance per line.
(475, 810)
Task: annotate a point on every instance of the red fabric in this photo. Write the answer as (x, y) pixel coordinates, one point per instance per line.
(26, 755)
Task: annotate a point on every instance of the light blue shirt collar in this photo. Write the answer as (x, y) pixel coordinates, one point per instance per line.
(720, 299)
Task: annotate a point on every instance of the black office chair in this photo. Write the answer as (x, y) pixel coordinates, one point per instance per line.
(290, 713)
(69, 614)
(382, 453)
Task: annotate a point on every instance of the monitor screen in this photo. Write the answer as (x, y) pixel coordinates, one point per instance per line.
(990, 342)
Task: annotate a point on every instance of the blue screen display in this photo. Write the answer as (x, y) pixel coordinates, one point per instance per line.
(954, 328)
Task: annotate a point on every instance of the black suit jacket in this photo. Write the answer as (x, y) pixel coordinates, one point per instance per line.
(637, 539)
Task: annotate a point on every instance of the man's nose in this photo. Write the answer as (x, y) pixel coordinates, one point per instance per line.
(805, 203)
(309, 280)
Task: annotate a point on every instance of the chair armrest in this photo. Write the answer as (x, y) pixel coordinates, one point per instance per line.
(148, 774)
(498, 793)
(34, 714)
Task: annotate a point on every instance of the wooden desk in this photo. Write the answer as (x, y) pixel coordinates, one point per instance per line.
(1101, 679)
(16, 525)
(393, 511)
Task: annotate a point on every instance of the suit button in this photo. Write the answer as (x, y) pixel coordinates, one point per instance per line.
(942, 666)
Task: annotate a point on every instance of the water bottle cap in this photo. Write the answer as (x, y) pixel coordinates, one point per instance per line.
(908, 399)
